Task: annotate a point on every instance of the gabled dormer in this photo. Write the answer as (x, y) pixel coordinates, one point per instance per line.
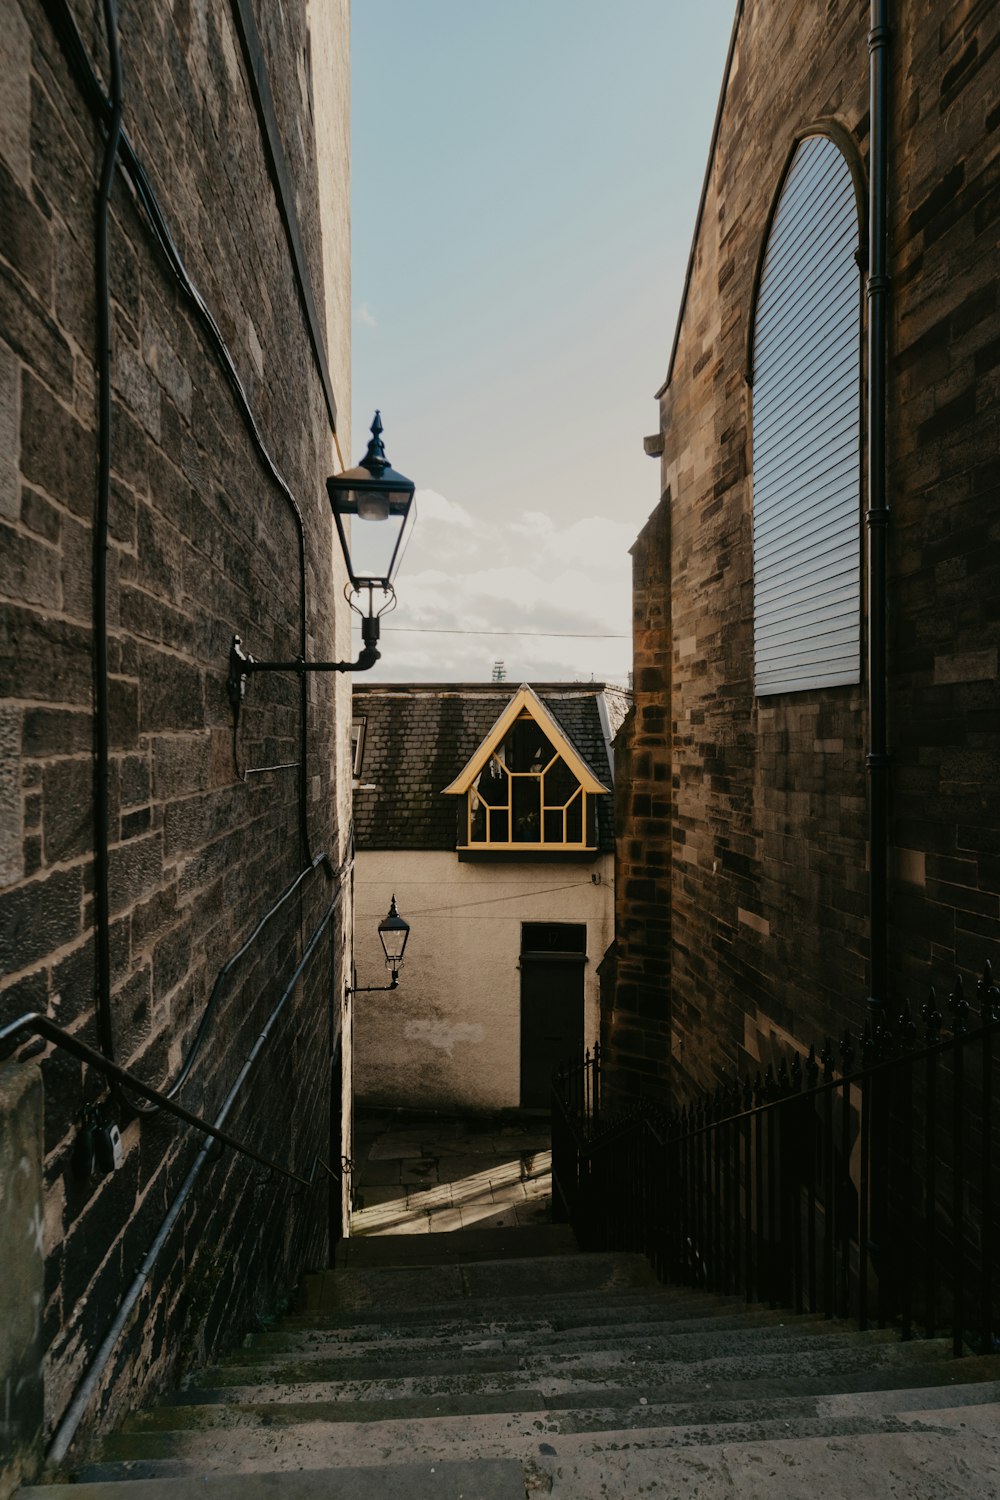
(527, 790)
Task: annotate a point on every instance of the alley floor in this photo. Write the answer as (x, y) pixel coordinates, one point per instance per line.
(419, 1173)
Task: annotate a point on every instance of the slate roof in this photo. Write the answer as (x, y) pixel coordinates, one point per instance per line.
(419, 736)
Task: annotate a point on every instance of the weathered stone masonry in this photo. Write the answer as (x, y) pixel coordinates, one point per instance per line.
(767, 844)
(635, 1021)
(202, 545)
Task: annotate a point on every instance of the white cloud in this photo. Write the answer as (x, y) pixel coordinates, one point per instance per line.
(554, 603)
(595, 540)
(590, 542)
(534, 523)
(433, 508)
(364, 315)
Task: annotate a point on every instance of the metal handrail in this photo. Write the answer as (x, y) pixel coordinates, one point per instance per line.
(34, 1023)
(74, 1413)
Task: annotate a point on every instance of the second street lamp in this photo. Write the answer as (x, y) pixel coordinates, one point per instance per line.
(393, 931)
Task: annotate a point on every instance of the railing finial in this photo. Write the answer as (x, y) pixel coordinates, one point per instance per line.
(989, 996)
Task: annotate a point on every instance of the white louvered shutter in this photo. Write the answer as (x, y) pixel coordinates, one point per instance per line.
(806, 432)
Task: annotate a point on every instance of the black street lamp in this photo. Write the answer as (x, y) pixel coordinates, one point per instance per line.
(393, 931)
(376, 503)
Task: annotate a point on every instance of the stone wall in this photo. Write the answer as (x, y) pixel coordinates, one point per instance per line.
(945, 447)
(635, 1029)
(768, 882)
(22, 1254)
(202, 544)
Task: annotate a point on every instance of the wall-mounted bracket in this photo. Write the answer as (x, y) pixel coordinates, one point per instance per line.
(371, 989)
(242, 665)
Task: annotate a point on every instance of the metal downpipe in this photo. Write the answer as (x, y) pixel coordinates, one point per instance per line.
(102, 762)
(877, 514)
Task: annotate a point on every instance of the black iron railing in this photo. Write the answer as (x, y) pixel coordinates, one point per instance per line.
(854, 1183)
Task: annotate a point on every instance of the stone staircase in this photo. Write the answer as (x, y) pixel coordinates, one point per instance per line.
(503, 1364)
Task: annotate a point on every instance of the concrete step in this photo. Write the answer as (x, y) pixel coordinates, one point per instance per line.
(332, 1434)
(524, 1389)
(321, 1445)
(360, 1288)
(464, 1246)
(524, 1436)
(954, 1459)
(567, 1414)
(817, 1359)
(558, 1309)
(864, 1383)
(744, 1409)
(637, 1341)
(467, 1374)
(593, 1323)
(915, 1464)
(490, 1479)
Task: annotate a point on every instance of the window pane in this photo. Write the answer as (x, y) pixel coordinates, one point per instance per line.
(526, 748)
(553, 828)
(358, 744)
(492, 784)
(574, 821)
(553, 937)
(560, 784)
(499, 828)
(527, 809)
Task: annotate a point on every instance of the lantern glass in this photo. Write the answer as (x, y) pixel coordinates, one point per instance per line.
(374, 529)
(374, 508)
(393, 932)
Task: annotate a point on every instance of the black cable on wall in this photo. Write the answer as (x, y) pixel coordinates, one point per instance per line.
(877, 514)
(284, 187)
(102, 915)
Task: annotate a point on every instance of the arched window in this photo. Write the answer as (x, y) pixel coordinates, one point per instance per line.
(806, 371)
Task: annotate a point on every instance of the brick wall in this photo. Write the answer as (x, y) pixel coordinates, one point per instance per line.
(768, 882)
(202, 544)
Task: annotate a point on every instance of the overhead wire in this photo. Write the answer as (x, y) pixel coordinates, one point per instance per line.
(551, 635)
(452, 909)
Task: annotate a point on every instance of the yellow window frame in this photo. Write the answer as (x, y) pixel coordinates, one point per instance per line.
(474, 801)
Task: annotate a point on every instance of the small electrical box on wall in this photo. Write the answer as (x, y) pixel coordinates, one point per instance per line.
(109, 1150)
(98, 1145)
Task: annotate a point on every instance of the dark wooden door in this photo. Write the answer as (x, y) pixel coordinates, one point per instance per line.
(551, 1022)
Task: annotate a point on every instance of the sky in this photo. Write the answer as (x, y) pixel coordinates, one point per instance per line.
(526, 175)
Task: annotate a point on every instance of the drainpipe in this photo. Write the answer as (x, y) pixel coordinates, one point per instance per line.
(877, 515)
(102, 761)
